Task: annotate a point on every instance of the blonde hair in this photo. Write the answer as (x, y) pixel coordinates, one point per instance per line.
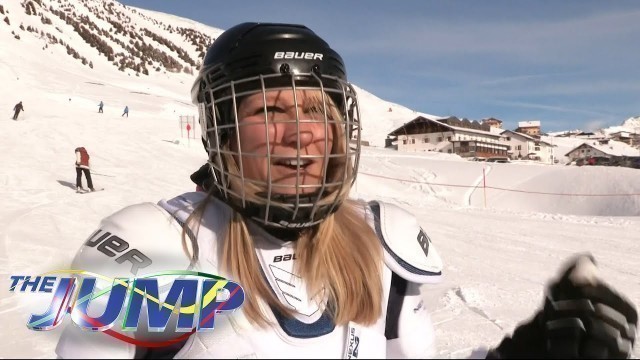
(342, 254)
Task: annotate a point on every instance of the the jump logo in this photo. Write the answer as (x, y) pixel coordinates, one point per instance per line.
(191, 295)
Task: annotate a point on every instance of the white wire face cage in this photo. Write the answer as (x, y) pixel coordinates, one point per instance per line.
(265, 200)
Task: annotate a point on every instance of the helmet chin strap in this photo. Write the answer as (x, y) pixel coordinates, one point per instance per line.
(280, 217)
(285, 235)
(288, 229)
(308, 198)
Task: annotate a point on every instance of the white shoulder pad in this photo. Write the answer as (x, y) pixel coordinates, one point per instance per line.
(137, 240)
(212, 226)
(408, 251)
(183, 204)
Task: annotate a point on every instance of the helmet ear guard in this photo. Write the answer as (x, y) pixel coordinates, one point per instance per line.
(247, 61)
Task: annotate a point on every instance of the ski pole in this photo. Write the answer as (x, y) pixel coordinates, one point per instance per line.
(93, 173)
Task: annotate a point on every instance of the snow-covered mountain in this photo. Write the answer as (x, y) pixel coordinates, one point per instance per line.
(632, 123)
(388, 117)
(98, 37)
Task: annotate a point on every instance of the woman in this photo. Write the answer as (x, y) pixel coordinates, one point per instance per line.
(83, 166)
(323, 275)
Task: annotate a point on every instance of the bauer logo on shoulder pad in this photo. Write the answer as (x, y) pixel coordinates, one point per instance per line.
(111, 245)
(424, 241)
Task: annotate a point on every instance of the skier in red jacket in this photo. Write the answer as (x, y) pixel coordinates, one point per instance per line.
(82, 165)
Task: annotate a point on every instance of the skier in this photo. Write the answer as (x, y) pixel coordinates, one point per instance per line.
(323, 275)
(17, 110)
(126, 111)
(100, 106)
(82, 166)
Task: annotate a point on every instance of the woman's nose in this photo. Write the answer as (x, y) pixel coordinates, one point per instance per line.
(306, 130)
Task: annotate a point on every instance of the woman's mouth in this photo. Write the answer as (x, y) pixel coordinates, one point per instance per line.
(293, 164)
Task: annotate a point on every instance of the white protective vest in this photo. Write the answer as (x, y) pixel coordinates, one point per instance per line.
(310, 334)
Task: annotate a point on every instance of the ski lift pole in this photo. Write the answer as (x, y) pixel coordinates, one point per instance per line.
(188, 134)
(484, 185)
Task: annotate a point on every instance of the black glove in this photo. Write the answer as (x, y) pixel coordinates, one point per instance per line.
(582, 318)
(203, 177)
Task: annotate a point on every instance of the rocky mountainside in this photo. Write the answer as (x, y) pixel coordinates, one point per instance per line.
(106, 31)
(106, 38)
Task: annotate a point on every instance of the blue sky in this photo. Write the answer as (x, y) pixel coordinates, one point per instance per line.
(570, 64)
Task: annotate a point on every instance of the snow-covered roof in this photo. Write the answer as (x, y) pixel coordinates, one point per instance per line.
(420, 119)
(621, 133)
(495, 130)
(524, 124)
(525, 136)
(612, 147)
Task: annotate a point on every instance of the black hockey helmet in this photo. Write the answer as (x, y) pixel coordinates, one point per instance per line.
(254, 57)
